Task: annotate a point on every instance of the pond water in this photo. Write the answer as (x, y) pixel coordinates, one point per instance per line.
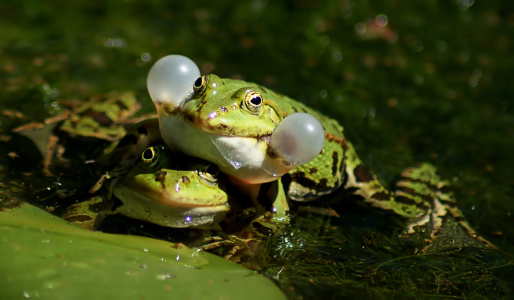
(410, 82)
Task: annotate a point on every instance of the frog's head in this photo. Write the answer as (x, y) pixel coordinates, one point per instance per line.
(232, 108)
(172, 190)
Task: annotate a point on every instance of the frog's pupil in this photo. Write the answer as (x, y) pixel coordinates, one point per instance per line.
(212, 169)
(148, 154)
(198, 82)
(256, 101)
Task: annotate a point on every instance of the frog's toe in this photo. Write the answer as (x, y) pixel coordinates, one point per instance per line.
(453, 236)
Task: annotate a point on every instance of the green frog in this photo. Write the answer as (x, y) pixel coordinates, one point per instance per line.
(97, 123)
(226, 109)
(172, 191)
(162, 188)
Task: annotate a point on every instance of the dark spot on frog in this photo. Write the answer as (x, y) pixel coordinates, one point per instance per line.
(301, 179)
(200, 106)
(79, 219)
(186, 180)
(333, 138)
(294, 109)
(362, 174)
(430, 186)
(161, 177)
(100, 117)
(263, 89)
(313, 170)
(121, 105)
(221, 127)
(403, 199)
(190, 118)
(335, 163)
(223, 109)
(381, 196)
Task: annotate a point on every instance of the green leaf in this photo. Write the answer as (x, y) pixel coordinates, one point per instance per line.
(45, 257)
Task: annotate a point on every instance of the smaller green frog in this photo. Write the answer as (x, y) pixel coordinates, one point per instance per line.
(172, 191)
(167, 189)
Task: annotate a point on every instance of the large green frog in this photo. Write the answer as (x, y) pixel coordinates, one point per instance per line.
(231, 122)
(226, 109)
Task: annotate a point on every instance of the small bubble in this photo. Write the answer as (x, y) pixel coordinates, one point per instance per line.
(146, 57)
(465, 4)
(337, 56)
(114, 43)
(381, 20)
(360, 28)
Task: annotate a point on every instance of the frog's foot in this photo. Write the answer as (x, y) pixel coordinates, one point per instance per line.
(236, 249)
(439, 217)
(453, 235)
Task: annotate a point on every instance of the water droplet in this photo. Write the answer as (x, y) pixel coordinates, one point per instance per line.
(146, 57)
(187, 219)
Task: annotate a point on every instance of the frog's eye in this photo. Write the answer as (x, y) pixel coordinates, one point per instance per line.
(200, 84)
(150, 157)
(208, 174)
(252, 102)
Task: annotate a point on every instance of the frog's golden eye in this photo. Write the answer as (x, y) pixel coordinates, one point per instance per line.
(252, 102)
(150, 157)
(200, 84)
(208, 174)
